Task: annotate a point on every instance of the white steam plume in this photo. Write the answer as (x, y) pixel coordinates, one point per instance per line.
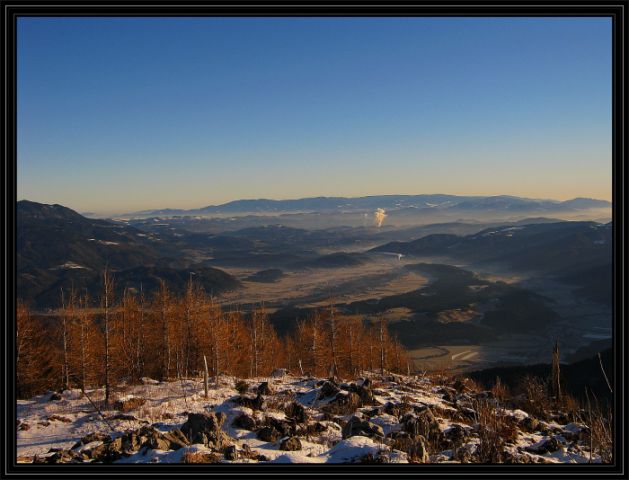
(378, 217)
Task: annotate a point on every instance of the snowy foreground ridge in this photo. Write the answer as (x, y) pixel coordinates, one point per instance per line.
(286, 419)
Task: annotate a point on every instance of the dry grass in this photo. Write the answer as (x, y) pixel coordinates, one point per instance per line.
(600, 423)
(493, 430)
(500, 390)
(536, 398)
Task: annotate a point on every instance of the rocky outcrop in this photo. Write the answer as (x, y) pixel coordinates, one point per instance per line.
(205, 428)
(290, 444)
(365, 428)
(128, 404)
(245, 422)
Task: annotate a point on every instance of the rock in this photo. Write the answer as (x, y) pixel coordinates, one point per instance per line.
(54, 397)
(245, 422)
(264, 389)
(344, 402)
(416, 447)
(365, 428)
(92, 437)
(551, 444)
(297, 412)
(463, 454)
(176, 439)
(423, 423)
(485, 395)
(124, 416)
(366, 395)
(63, 456)
(447, 393)
(290, 444)
(467, 413)
(372, 412)
(285, 427)
(59, 418)
(460, 385)
(149, 381)
(231, 453)
(529, 424)
(279, 373)
(329, 389)
(129, 403)
(205, 428)
(561, 418)
(24, 426)
(269, 434)
(455, 436)
(132, 442)
(256, 403)
(246, 452)
(241, 387)
(513, 458)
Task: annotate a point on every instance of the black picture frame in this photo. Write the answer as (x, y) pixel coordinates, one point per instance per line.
(615, 9)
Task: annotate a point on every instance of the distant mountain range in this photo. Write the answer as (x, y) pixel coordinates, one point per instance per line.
(57, 247)
(504, 203)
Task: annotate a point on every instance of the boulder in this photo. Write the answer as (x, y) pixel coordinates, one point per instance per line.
(529, 424)
(269, 434)
(551, 444)
(328, 389)
(356, 426)
(64, 456)
(59, 418)
(264, 389)
(256, 403)
(290, 444)
(455, 435)
(279, 373)
(423, 423)
(231, 453)
(129, 403)
(92, 437)
(460, 385)
(245, 422)
(205, 428)
(176, 439)
(285, 427)
(297, 412)
(416, 447)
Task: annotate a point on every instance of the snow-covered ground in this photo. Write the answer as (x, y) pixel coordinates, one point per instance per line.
(390, 411)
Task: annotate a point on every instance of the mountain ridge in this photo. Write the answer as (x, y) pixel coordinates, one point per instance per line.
(391, 202)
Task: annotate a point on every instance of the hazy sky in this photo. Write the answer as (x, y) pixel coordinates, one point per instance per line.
(123, 114)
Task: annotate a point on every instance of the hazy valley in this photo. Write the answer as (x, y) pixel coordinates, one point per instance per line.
(464, 282)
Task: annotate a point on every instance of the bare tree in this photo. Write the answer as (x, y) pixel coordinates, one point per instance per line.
(383, 338)
(333, 337)
(107, 303)
(556, 375)
(163, 306)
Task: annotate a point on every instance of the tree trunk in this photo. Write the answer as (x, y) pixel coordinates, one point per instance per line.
(205, 377)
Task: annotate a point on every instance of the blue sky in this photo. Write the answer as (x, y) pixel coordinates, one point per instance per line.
(122, 114)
